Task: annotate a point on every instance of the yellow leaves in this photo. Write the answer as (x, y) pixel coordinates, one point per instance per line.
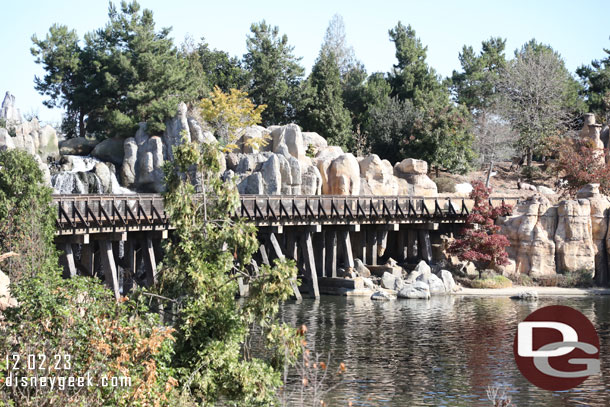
(230, 113)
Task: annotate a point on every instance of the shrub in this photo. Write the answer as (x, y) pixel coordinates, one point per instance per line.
(491, 282)
(581, 163)
(481, 242)
(531, 173)
(580, 278)
(445, 184)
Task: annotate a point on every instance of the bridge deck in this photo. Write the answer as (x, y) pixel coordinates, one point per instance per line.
(85, 214)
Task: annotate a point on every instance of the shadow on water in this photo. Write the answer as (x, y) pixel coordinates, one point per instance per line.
(442, 352)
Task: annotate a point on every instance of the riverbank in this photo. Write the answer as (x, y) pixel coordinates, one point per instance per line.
(541, 291)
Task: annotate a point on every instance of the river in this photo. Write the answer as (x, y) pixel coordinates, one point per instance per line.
(442, 352)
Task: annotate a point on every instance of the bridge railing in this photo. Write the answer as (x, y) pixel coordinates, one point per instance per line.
(90, 211)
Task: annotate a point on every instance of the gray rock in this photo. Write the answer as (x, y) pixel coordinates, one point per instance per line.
(361, 269)
(176, 129)
(286, 175)
(417, 290)
(295, 171)
(232, 160)
(382, 296)
(103, 173)
(368, 283)
(252, 184)
(77, 146)
(46, 173)
(111, 149)
(272, 177)
(282, 150)
(149, 165)
(6, 141)
(47, 143)
(128, 168)
(292, 136)
(197, 133)
(545, 190)
(423, 267)
(448, 281)
(311, 181)
(8, 111)
(526, 296)
(227, 175)
(435, 284)
(388, 281)
(317, 142)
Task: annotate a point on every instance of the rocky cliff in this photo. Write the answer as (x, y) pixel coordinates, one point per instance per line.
(292, 162)
(551, 238)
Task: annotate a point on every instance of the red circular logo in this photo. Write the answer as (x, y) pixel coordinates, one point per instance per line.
(556, 348)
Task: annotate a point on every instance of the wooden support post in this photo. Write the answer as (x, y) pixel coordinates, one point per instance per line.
(425, 245)
(109, 267)
(401, 246)
(131, 256)
(320, 253)
(310, 265)
(263, 251)
(361, 245)
(291, 246)
(412, 246)
(278, 252)
(371, 246)
(346, 245)
(68, 261)
(382, 242)
(87, 258)
(151, 264)
(331, 253)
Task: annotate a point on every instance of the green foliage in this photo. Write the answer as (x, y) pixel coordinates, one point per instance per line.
(275, 73)
(390, 126)
(445, 184)
(122, 74)
(476, 86)
(596, 81)
(531, 173)
(27, 218)
(323, 110)
(206, 254)
(77, 317)
(491, 282)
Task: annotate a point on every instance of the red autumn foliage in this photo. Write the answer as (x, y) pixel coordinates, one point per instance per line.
(480, 242)
(580, 163)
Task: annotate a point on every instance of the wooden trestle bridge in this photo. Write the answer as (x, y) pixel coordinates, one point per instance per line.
(118, 236)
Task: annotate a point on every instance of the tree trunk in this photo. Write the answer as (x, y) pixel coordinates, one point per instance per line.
(491, 166)
(81, 123)
(530, 154)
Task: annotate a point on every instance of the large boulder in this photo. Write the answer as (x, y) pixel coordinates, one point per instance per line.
(573, 238)
(311, 181)
(128, 169)
(176, 129)
(411, 166)
(255, 139)
(111, 150)
(417, 290)
(272, 176)
(6, 141)
(8, 111)
(77, 146)
(344, 176)
(448, 281)
(314, 141)
(252, 184)
(361, 269)
(149, 163)
(103, 173)
(378, 175)
(435, 284)
(293, 138)
(6, 300)
(600, 208)
(530, 231)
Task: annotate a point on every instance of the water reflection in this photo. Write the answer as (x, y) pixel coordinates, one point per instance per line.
(442, 352)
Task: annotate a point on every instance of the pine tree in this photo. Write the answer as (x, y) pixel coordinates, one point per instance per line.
(323, 109)
(596, 79)
(275, 73)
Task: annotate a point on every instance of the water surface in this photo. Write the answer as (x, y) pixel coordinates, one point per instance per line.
(442, 352)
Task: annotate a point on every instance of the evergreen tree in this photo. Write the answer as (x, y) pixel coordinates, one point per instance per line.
(476, 86)
(323, 109)
(275, 73)
(596, 80)
(411, 77)
(125, 73)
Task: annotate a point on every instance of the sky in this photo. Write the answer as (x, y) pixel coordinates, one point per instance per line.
(579, 31)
